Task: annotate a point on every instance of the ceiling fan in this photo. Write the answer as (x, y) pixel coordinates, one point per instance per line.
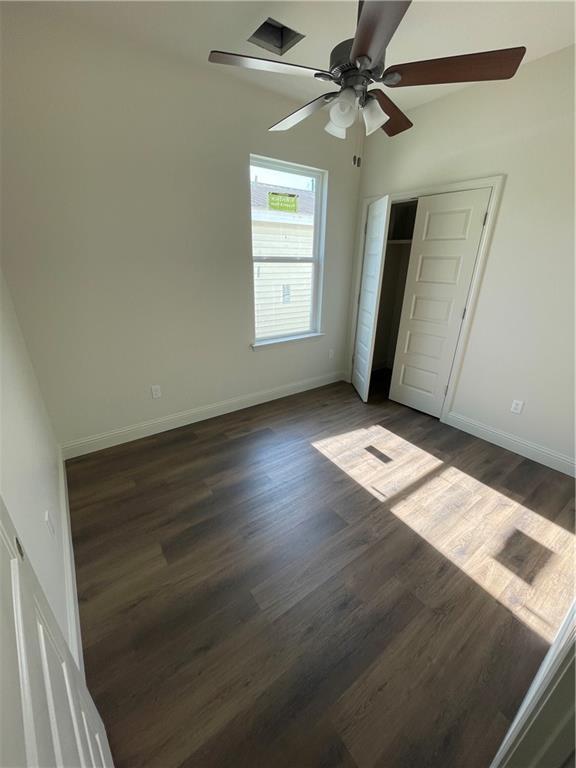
(357, 63)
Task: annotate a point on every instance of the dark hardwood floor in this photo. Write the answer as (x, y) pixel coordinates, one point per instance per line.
(314, 583)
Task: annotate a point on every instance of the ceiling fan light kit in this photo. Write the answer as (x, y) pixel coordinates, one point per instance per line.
(344, 113)
(358, 63)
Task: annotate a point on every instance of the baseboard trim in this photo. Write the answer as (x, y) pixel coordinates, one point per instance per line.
(512, 443)
(93, 443)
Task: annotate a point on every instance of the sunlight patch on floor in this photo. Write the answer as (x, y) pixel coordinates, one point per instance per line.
(522, 559)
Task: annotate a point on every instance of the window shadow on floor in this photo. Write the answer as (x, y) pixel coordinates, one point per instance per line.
(523, 556)
(378, 454)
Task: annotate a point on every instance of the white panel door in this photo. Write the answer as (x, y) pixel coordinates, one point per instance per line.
(12, 740)
(53, 720)
(445, 244)
(372, 268)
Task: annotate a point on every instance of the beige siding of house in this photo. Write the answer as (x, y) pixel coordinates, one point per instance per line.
(283, 292)
(282, 240)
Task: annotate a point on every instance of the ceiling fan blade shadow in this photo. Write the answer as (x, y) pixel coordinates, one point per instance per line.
(264, 65)
(469, 68)
(301, 114)
(398, 121)
(377, 22)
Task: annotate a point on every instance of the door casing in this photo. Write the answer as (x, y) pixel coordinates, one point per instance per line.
(496, 184)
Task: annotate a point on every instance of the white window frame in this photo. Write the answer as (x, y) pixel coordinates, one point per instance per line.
(320, 190)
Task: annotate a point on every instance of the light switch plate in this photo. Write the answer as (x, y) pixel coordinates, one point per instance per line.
(156, 391)
(517, 406)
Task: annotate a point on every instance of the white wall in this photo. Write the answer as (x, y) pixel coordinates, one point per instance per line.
(522, 341)
(127, 227)
(30, 465)
(127, 233)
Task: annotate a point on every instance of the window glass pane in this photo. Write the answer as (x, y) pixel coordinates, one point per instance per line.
(282, 214)
(283, 248)
(283, 298)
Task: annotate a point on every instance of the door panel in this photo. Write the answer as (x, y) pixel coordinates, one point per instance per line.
(39, 744)
(445, 244)
(96, 757)
(372, 269)
(12, 742)
(64, 726)
(60, 723)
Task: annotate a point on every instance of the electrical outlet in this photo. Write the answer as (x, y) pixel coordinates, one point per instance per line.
(517, 406)
(49, 523)
(330, 354)
(156, 391)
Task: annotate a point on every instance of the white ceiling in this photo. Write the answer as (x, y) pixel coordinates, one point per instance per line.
(429, 29)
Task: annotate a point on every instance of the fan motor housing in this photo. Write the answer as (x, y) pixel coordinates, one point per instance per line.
(346, 73)
(340, 58)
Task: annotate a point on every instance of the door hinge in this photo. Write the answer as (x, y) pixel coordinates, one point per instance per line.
(485, 217)
(464, 312)
(445, 390)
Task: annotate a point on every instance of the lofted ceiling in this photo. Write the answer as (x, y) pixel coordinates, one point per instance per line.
(429, 29)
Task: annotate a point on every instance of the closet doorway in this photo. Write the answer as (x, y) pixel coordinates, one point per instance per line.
(420, 257)
(396, 260)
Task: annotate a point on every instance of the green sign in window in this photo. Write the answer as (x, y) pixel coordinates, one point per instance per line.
(281, 202)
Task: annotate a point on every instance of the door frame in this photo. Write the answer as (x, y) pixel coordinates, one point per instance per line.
(496, 184)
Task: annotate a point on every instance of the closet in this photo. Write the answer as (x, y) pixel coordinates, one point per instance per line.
(418, 261)
(396, 261)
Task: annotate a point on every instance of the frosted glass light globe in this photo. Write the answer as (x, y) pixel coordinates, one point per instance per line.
(374, 116)
(343, 111)
(335, 130)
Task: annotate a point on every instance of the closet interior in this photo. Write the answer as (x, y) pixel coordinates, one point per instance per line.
(396, 260)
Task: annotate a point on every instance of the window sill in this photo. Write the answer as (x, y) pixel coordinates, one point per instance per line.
(285, 340)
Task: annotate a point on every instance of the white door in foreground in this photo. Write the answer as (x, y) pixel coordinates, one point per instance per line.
(372, 269)
(48, 717)
(445, 244)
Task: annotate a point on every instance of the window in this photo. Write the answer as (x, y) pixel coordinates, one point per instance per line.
(288, 203)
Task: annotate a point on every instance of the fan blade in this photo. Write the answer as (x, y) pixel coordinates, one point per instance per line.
(398, 121)
(472, 67)
(265, 65)
(301, 114)
(377, 22)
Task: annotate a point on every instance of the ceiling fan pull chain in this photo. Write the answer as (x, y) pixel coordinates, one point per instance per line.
(359, 143)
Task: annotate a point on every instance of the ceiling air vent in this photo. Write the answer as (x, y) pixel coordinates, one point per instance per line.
(275, 37)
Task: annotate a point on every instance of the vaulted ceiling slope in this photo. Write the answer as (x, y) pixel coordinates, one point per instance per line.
(429, 29)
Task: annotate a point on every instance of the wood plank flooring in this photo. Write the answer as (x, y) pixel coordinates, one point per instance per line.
(316, 583)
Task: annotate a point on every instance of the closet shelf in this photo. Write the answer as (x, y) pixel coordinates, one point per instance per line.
(398, 242)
